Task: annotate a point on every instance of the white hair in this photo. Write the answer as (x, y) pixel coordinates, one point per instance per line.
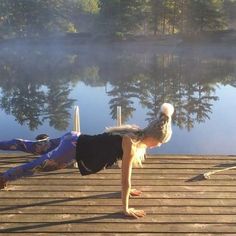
(167, 109)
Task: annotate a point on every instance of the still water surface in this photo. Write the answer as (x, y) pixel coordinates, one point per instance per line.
(40, 85)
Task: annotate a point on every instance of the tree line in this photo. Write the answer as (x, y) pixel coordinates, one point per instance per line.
(24, 18)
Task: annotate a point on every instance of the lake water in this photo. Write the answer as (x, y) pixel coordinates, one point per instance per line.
(41, 84)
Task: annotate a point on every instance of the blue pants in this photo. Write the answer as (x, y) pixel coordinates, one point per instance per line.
(56, 154)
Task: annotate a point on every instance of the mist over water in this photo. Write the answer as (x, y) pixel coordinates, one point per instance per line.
(41, 83)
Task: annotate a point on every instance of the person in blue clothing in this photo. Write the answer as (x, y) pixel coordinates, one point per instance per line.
(93, 152)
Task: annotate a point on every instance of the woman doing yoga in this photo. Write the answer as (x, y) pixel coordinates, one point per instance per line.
(93, 152)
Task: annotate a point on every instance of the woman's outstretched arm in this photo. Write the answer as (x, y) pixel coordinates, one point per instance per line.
(128, 156)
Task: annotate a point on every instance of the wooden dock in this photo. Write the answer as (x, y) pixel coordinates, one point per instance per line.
(65, 203)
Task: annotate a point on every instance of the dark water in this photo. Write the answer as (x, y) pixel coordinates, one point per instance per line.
(40, 85)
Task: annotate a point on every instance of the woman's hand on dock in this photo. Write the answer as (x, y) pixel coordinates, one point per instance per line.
(135, 213)
(135, 192)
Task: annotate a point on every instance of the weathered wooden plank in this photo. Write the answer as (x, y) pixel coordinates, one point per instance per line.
(105, 200)
(148, 161)
(109, 182)
(167, 171)
(159, 165)
(137, 176)
(154, 171)
(76, 226)
(180, 160)
(144, 177)
(16, 154)
(116, 217)
(193, 157)
(61, 188)
(144, 195)
(117, 234)
(160, 210)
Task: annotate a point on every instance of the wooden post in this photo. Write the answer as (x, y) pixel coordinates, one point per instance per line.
(118, 123)
(76, 126)
(118, 117)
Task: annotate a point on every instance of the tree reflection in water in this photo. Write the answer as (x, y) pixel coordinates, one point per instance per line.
(36, 84)
(35, 88)
(187, 82)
